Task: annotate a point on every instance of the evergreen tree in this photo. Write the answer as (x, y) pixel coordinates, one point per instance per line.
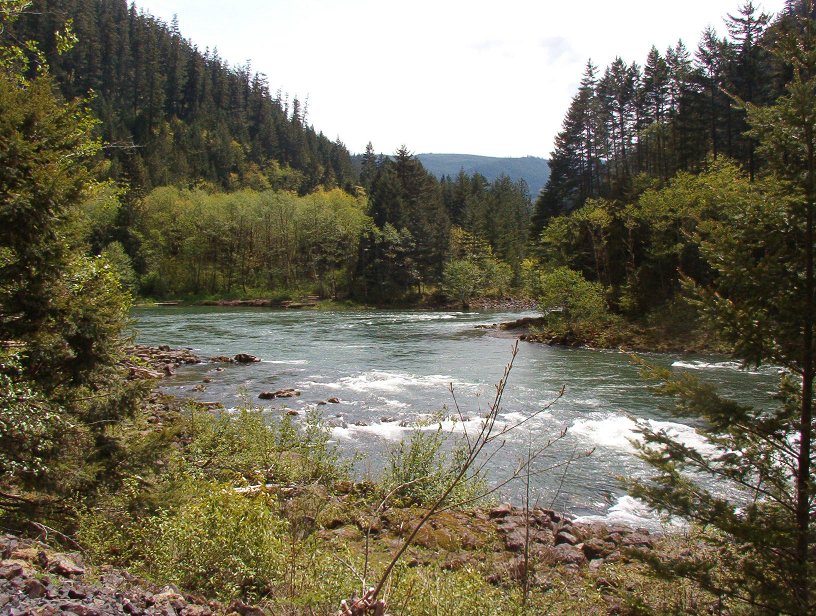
(746, 29)
(763, 299)
(63, 311)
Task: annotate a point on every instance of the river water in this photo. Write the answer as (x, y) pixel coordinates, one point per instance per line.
(392, 368)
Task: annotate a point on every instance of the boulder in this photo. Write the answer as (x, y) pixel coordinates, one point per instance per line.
(501, 511)
(139, 373)
(11, 569)
(333, 400)
(566, 537)
(34, 588)
(63, 565)
(567, 554)
(595, 548)
(245, 358)
(281, 393)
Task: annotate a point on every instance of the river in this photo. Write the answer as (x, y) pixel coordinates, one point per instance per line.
(391, 368)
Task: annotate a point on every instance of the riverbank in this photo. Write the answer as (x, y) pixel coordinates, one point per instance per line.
(653, 335)
(431, 302)
(575, 567)
(378, 364)
(266, 517)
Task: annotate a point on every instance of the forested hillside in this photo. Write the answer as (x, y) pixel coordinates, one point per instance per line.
(172, 113)
(637, 139)
(633, 126)
(531, 169)
(261, 203)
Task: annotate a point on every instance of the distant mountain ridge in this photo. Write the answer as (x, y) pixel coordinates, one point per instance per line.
(532, 169)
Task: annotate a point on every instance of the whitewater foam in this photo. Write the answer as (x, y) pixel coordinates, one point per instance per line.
(725, 365)
(390, 431)
(392, 382)
(620, 432)
(634, 513)
(286, 362)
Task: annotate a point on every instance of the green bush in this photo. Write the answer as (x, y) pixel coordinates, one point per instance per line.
(567, 296)
(218, 542)
(249, 446)
(29, 426)
(419, 468)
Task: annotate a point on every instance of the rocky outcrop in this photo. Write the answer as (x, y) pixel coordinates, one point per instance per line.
(281, 393)
(156, 362)
(557, 539)
(245, 358)
(35, 579)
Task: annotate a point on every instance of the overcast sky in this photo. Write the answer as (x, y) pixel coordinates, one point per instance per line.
(447, 76)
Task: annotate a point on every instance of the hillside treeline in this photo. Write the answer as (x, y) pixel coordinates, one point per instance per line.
(638, 146)
(172, 113)
(238, 157)
(632, 126)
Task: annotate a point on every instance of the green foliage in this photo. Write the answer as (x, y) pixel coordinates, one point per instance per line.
(472, 269)
(63, 310)
(247, 242)
(252, 447)
(215, 542)
(426, 592)
(191, 523)
(421, 467)
(30, 428)
(122, 266)
(463, 280)
(760, 248)
(566, 296)
(409, 221)
(386, 270)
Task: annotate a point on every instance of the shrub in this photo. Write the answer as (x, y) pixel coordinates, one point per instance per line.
(218, 543)
(419, 468)
(251, 446)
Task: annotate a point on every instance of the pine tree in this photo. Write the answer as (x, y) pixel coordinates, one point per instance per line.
(64, 311)
(763, 300)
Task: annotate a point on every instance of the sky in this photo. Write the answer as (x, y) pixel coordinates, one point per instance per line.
(486, 77)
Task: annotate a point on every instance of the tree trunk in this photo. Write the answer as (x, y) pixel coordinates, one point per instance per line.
(803, 487)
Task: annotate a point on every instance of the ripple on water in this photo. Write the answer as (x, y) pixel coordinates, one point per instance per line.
(400, 364)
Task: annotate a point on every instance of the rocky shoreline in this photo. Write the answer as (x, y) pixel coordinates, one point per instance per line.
(504, 542)
(157, 362)
(36, 580)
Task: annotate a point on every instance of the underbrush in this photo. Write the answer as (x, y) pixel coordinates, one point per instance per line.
(262, 508)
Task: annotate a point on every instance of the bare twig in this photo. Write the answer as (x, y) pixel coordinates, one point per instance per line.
(488, 434)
